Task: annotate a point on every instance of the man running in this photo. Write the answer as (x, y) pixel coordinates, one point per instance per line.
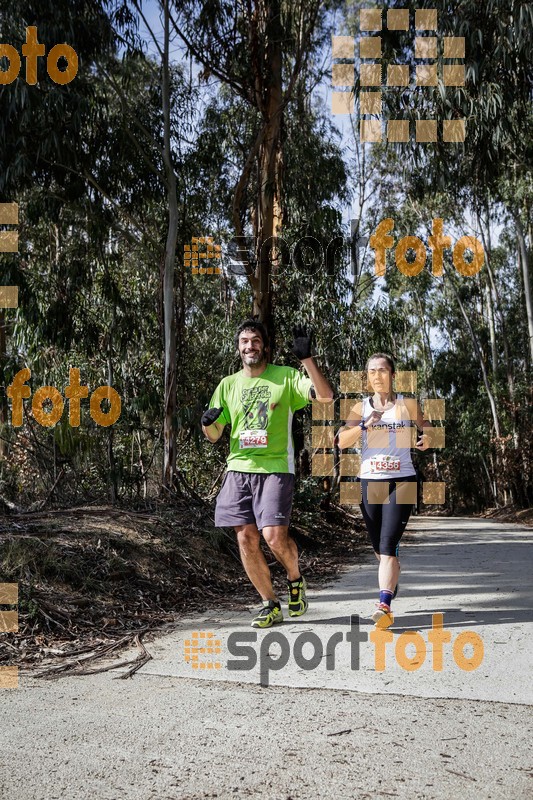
(256, 494)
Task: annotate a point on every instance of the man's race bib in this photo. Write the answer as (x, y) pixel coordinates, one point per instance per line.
(384, 464)
(257, 438)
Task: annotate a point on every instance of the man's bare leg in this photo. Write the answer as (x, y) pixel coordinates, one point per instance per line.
(254, 561)
(283, 548)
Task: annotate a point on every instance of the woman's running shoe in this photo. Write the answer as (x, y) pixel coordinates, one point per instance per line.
(269, 615)
(383, 616)
(297, 597)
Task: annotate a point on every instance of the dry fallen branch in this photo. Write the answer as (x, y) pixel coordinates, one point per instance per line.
(70, 666)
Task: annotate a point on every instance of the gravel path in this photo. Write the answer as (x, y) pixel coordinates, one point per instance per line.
(175, 733)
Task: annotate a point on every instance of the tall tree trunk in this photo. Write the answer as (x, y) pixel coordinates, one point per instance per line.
(490, 302)
(169, 311)
(524, 260)
(492, 329)
(479, 354)
(113, 487)
(3, 397)
(426, 344)
(492, 484)
(268, 218)
(497, 306)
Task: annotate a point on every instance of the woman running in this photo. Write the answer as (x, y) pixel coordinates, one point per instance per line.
(380, 425)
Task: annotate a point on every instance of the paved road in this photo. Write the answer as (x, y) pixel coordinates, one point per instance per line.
(178, 733)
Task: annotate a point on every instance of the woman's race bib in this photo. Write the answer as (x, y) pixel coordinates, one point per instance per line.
(384, 464)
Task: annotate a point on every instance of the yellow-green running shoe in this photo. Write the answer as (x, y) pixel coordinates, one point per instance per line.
(269, 615)
(297, 598)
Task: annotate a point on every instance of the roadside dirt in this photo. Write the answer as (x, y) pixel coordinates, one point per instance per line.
(96, 579)
(93, 580)
(523, 516)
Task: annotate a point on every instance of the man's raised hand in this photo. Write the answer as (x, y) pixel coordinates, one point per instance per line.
(302, 342)
(210, 416)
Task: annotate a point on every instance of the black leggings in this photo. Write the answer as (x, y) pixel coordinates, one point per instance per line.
(385, 522)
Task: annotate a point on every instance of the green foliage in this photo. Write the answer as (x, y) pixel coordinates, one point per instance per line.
(85, 164)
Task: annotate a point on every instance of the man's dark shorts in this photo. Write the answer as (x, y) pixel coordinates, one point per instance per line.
(253, 497)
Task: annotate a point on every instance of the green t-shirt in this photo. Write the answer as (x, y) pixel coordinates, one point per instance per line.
(260, 412)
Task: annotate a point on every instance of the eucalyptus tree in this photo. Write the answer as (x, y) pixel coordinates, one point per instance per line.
(261, 50)
(477, 186)
(41, 123)
(70, 141)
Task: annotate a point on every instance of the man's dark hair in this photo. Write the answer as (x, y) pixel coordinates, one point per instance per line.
(252, 325)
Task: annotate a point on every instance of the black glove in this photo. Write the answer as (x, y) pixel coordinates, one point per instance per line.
(302, 342)
(210, 416)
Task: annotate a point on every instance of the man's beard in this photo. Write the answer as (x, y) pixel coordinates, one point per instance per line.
(253, 359)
